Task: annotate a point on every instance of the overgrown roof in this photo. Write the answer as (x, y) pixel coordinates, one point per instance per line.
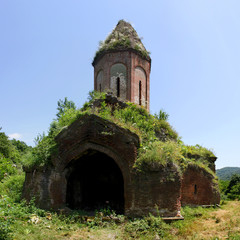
(123, 37)
(159, 143)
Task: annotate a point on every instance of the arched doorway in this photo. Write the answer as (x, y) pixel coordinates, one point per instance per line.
(94, 181)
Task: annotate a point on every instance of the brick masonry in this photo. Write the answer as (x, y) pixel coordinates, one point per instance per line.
(199, 187)
(151, 191)
(107, 69)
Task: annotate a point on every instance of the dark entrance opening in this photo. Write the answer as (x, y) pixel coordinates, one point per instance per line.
(94, 181)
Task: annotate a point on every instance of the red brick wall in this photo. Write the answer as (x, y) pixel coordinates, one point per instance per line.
(131, 60)
(155, 192)
(198, 187)
(148, 192)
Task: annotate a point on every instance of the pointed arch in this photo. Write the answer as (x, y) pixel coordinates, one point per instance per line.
(141, 90)
(99, 80)
(118, 80)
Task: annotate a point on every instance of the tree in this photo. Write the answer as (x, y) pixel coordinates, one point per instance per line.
(21, 146)
(5, 145)
(64, 105)
(233, 189)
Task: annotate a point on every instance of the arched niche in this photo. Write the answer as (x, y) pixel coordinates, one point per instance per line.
(118, 80)
(100, 86)
(140, 96)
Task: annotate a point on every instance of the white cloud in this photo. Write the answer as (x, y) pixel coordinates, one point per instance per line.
(15, 135)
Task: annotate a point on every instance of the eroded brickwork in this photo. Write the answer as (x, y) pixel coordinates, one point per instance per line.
(199, 187)
(152, 191)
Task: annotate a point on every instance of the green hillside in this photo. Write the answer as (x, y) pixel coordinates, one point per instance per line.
(227, 172)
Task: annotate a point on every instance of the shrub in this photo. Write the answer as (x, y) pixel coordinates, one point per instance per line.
(7, 167)
(234, 193)
(8, 149)
(64, 106)
(157, 154)
(148, 226)
(162, 115)
(5, 231)
(233, 188)
(196, 151)
(12, 186)
(146, 124)
(41, 154)
(5, 145)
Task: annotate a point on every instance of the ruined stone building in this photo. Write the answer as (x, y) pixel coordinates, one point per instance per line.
(93, 164)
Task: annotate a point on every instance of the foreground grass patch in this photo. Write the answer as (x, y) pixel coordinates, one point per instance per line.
(25, 221)
(199, 223)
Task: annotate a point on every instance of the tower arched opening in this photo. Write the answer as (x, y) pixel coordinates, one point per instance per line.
(140, 93)
(94, 181)
(118, 87)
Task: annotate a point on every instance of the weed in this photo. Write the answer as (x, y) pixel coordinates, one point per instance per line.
(12, 186)
(150, 226)
(158, 154)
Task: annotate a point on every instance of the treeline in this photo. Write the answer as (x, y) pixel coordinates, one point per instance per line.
(227, 172)
(230, 189)
(15, 154)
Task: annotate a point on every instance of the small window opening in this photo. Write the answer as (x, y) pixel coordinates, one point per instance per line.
(140, 93)
(146, 94)
(195, 189)
(118, 87)
(100, 87)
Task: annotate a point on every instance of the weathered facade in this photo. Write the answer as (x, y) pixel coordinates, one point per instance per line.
(199, 187)
(93, 165)
(123, 69)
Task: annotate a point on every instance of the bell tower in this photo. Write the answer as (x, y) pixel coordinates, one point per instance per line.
(122, 65)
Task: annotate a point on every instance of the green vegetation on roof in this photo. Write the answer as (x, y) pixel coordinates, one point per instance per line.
(121, 38)
(159, 142)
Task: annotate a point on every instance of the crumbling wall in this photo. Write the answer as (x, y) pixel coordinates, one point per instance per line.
(152, 191)
(157, 191)
(199, 187)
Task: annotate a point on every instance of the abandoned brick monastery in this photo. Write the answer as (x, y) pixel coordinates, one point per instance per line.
(94, 164)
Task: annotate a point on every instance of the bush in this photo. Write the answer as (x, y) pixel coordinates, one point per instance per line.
(12, 186)
(162, 115)
(234, 193)
(196, 151)
(157, 154)
(148, 226)
(41, 154)
(7, 167)
(5, 231)
(145, 124)
(233, 188)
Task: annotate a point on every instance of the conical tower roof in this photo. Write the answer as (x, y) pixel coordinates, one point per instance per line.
(123, 37)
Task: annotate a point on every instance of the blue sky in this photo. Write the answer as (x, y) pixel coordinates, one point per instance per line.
(46, 50)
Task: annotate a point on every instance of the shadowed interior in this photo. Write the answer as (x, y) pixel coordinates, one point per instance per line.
(94, 181)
